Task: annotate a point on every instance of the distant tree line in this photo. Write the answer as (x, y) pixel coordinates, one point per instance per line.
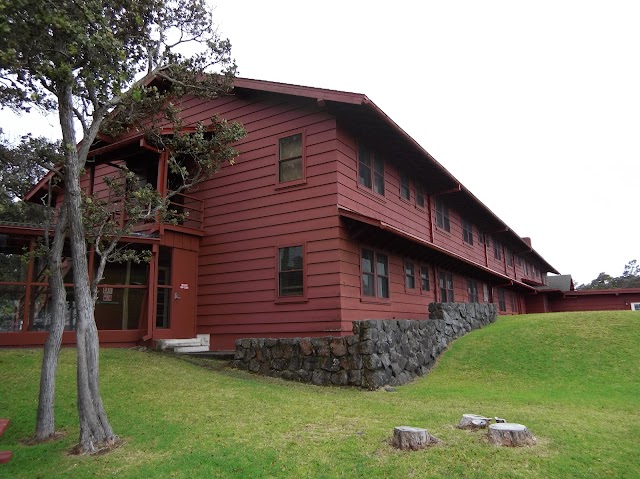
(630, 279)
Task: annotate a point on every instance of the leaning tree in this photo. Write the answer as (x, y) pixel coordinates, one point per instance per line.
(107, 66)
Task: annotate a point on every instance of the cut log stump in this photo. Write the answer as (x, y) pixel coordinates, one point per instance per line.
(510, 434)
(473, 421)
(413, 438)
(5, 456)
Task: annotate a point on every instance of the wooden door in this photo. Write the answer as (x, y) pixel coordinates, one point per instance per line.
(184, 275)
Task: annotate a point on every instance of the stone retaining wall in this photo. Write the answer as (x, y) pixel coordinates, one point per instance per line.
(379, 353)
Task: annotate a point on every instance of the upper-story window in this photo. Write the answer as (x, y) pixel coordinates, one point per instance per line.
(509, 254)
(405, 186)
(290, 271)
(370, 170)
(419, 195)
(467, 231)
(526, 268)
(497, 250)
(290, 158)
(375, 274)
(442, 215)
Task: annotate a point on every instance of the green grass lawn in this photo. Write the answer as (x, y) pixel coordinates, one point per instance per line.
(572, 379)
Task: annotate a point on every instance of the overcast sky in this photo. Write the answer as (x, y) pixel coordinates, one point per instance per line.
(534, 106)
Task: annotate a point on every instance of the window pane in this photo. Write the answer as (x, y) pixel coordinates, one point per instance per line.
(40, 310)
(290, 170)
(364, 175)
(368, 287)
(367, 261)
(383, 287)
(11, 307)
(424, 278)
(382, 265)
(409, 277)
(12, 266)
(291, 147)
(379, 184)
(419, 196)
(120, 308)
(364, 166)
(405, 190)
(378, 165)
(378, 175)
(290, 258)
(290, 283)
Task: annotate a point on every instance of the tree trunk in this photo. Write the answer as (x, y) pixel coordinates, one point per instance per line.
(95, 431)
(45, 421)
(510, 434)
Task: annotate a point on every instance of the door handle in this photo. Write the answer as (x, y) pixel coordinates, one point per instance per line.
(176, 296)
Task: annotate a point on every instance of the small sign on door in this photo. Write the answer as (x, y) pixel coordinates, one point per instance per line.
(184, 286)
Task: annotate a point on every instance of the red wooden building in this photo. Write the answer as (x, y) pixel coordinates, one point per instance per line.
(331, 214)
(559, 295)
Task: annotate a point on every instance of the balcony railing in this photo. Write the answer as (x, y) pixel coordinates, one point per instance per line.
(187, 212)
(190, 209)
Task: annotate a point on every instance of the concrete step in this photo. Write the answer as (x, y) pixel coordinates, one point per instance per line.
(186, 345)
(178, 343)
(190, 349)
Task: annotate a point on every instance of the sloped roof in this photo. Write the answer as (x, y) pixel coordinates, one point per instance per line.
(563, 282)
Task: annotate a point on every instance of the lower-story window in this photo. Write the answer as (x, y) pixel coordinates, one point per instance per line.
(290, 271)
(375, 274)
(409, 275)
(424, 278)
(472, 288)
(446, 287)
(502, 304)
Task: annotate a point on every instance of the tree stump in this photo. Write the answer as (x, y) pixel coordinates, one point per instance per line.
(473, 421)
(413, 438)
(510, 434)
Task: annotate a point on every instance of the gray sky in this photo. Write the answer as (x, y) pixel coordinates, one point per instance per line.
(534, 106)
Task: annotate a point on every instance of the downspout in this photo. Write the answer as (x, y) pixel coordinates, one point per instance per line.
(429, 205)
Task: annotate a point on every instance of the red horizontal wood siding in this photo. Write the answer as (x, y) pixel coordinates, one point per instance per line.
(611, 301)
(405, 214)
(248, 215)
